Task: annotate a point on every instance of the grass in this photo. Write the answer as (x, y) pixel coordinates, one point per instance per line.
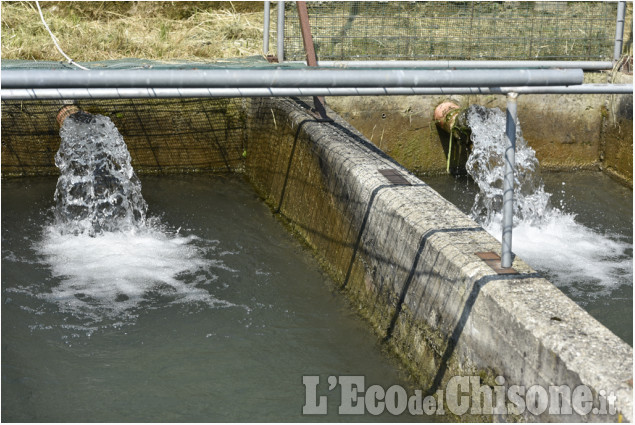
(91, 31)
(182, 30)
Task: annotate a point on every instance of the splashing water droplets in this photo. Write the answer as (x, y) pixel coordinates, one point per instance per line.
(108, 259)
(486, 166)
(545, 236)
(97, 190)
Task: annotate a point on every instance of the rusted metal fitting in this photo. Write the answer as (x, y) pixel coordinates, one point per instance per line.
(65, 112)
(445, 115)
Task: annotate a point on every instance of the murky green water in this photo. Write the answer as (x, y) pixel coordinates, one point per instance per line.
(155, 355)
(590, 258)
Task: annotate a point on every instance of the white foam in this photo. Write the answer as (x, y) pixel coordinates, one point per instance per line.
(544, 236)
(576, 255)
(111, 274)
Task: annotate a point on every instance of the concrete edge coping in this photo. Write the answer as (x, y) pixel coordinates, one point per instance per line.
(600, 359)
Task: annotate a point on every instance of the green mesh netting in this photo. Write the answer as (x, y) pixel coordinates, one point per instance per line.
(251, 62)
(162, 135)
(455, 30)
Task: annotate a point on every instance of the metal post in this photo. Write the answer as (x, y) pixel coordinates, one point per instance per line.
(265, 30)
(309, 48)
(619, 30)
(280, 29)
(508, 181)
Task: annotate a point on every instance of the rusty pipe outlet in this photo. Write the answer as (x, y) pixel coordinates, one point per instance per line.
(65, 112)
(445, 115)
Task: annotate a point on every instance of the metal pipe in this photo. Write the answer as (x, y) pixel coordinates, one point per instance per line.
(265, 78)
(461, 64)
(619, 30)
(265, 29)
(65, 112)
(508, 181)
(165, 93)
(280, 31)
(445, 115)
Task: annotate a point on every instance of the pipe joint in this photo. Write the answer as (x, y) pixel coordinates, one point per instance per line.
(65, 112)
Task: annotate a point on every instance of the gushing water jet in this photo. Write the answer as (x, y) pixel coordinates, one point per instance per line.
(98, 190)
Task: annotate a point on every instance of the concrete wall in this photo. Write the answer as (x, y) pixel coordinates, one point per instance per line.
(403, 255)
(567, 131)
(616, 143)
(406, 259)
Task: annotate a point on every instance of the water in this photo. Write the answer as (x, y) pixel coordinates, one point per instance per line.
(223, 334)
(486, 166)
(98, 189)
(201, 308)
(576, 229)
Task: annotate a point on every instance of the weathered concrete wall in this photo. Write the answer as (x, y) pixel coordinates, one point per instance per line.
(616, 148)
(406, 258)
(566, 131)
(404, 255)
(163, 136)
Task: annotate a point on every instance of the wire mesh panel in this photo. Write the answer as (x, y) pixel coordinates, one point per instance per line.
(455, 30)
(163, 136)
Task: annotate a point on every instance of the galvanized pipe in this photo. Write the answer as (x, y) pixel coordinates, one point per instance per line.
(619, 30)
(165, 93)
(280, 31)
(265, 29)
(461, 64)
(266, 78)
(508, 181)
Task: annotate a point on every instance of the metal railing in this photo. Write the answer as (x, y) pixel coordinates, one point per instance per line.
(337, 42)
(71, 84)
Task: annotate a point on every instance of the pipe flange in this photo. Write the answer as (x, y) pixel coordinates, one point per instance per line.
(65, 112)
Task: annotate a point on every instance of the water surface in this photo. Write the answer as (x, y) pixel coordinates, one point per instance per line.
(214, 315)
(585, 247)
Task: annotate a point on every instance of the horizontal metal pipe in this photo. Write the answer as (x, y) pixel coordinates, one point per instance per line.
(458, 64)
(269, 78)
(132, 93)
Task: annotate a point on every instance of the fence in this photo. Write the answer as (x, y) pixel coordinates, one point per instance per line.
(454, 30)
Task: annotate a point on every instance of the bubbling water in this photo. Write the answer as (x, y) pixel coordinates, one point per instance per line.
(108, 260)
(486, 166)
(98, 189)
(545, 236)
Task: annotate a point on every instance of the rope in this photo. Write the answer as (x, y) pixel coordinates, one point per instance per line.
(71, 61)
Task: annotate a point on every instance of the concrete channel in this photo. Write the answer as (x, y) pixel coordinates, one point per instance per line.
(404, 256)
(407, 259)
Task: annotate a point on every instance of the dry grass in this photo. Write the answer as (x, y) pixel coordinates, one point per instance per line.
(91, 31)
(171, 30)
(477, 30)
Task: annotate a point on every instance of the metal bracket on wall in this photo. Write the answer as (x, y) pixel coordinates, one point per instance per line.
(394, 176)
(494, 261)
(309, 48)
